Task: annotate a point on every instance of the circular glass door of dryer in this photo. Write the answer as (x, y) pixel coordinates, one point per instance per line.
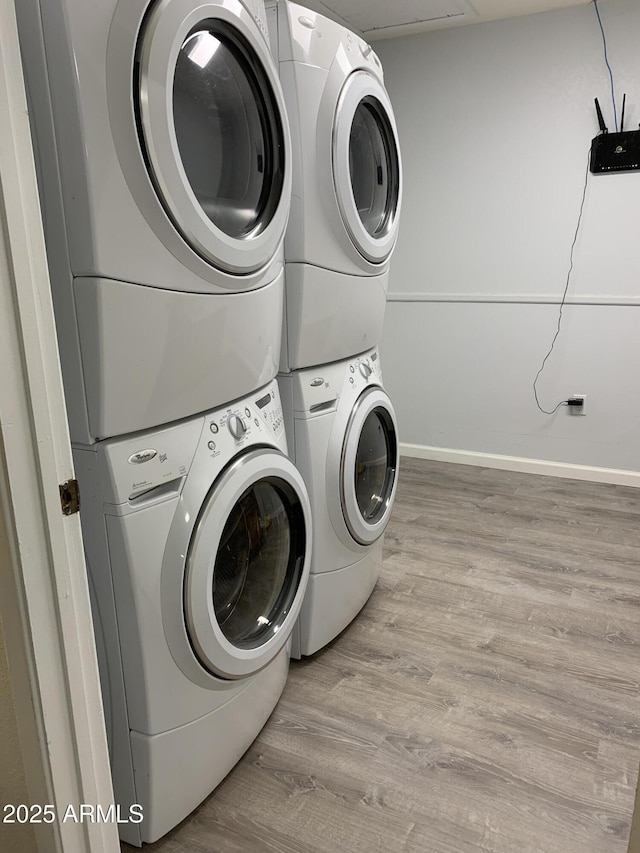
(373, 163)
(367, 169)
(244, 574)
(212, 130)
(369, 467)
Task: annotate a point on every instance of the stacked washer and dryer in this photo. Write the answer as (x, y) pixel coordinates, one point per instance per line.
(163, 153)
(166, 173)
(346, 196)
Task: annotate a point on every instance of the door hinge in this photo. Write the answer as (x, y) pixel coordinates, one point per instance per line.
(70, 497)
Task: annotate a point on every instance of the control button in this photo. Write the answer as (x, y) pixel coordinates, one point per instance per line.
(365, 370)
(142, 456)
(213, 426)
(315, 383)
(237, 427)
(256, 422)
(211, 445)
(247, 412)
(352, 368)
(307, 22)
(351, 380)
(374, 356)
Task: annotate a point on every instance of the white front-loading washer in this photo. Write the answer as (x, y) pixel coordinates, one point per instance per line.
(347, 187)
(197, 538)
(163, 155)
(343, 437)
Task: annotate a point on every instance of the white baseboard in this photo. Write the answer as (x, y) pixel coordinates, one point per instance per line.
(615, 476)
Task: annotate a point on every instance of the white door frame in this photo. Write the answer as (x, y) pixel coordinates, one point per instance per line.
(44, 600)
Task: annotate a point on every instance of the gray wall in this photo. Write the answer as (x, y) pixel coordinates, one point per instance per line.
(495, 123)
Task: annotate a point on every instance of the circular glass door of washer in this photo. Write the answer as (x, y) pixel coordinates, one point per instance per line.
(258, 565)
(375, 462)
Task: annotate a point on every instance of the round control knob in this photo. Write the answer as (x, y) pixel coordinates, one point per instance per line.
(365, 370)
(237, 427)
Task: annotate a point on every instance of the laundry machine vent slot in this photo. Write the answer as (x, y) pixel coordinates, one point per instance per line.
(164, 490)
(321, 407)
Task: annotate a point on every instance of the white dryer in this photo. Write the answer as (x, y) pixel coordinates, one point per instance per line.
(198, 545)
(343, 438)
(163, 154)
(347, 187)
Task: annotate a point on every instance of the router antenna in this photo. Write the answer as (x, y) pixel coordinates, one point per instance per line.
(624, 98)
(603, 126)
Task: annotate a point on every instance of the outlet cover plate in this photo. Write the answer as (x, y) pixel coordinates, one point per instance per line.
(578, 410)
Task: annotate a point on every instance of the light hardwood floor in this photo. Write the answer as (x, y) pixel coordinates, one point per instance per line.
(487, 698)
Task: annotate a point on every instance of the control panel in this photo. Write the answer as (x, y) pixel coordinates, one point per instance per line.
(351, 42)
(256, 7)
(272, 412)
(316, 40)
(261, 414)
(363, 369)
(135, 466)
(317, 390)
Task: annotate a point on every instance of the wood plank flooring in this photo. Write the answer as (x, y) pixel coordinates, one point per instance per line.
(487, 698)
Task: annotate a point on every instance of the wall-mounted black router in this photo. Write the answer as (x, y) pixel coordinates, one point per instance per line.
(615, 152)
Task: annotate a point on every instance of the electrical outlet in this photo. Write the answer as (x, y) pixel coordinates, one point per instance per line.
(578, 410)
